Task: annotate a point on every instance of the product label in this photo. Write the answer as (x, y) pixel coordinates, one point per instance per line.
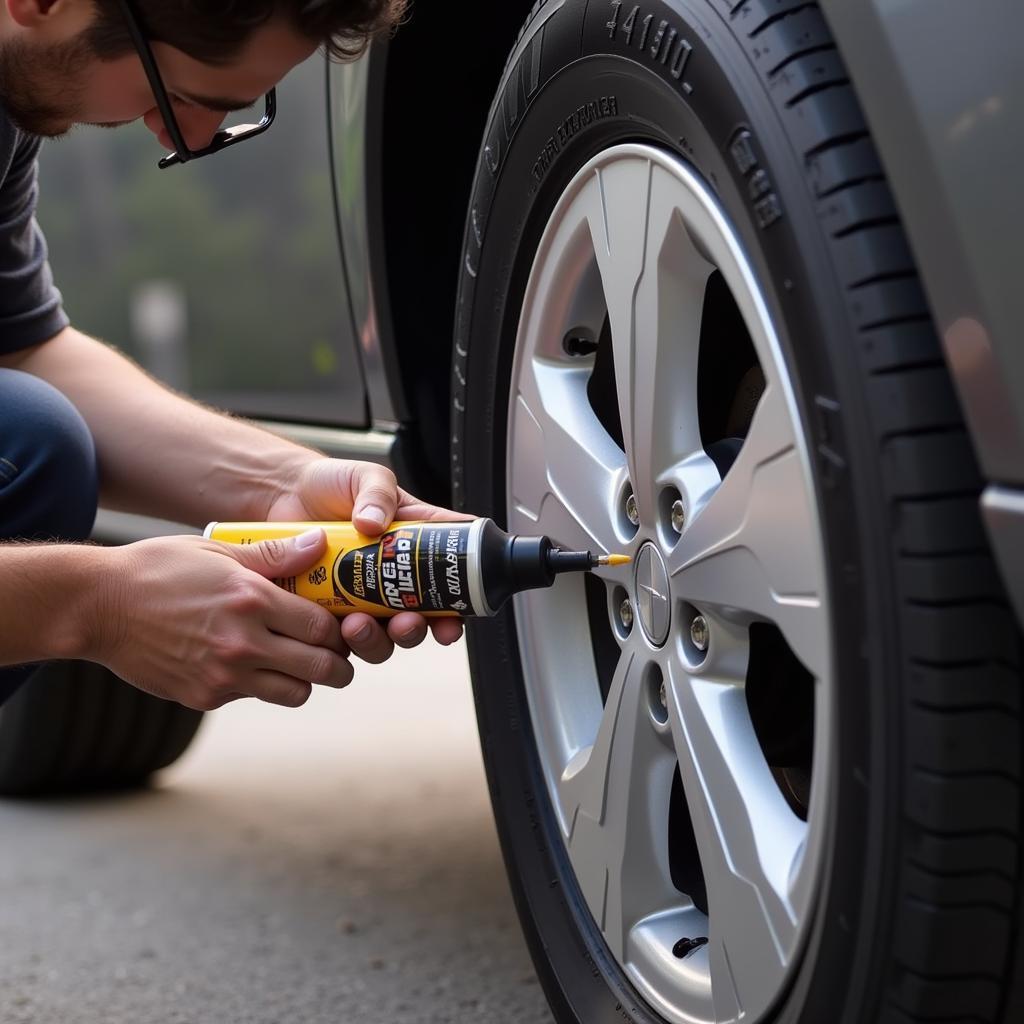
(416, 568)
(420, 567)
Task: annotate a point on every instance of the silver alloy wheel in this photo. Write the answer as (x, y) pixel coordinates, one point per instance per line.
(635, 238)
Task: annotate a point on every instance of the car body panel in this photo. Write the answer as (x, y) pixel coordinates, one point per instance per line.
(941, 83)
(1003, 511)
(354, 99)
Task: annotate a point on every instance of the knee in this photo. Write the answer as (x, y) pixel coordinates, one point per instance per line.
(48, 476)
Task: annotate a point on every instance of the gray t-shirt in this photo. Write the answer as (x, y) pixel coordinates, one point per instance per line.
(30, 305)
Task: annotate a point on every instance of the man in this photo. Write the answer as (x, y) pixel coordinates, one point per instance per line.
(186, 619)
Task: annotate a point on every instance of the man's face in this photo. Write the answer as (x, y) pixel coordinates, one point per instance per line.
(49, 84)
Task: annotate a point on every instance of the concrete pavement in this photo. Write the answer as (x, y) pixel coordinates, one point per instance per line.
(333, 864)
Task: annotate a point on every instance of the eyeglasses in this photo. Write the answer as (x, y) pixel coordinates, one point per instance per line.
(223, 139)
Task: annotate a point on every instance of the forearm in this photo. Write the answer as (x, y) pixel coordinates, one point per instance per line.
(51, 595)
(161, 454)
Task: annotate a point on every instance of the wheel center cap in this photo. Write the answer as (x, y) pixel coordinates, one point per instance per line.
(652, 594)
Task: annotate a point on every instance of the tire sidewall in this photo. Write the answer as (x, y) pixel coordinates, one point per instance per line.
(535, 144)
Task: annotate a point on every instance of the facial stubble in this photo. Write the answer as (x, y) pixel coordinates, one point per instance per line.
(41, 85)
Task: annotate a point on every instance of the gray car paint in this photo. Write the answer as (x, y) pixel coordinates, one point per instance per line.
(348, 90)
(942, 86)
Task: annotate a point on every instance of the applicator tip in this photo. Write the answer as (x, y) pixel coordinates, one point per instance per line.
(614, 560)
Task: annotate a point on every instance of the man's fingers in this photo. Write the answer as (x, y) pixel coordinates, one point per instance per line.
(446, 631)
(367, 638)
(275, 688)
(375, 500)
(303, 620)
(279, 559)
(369, 641)
(411, 509)
(315, 665)
(408, 629)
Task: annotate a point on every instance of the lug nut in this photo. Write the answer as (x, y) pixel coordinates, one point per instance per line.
(700, 634)
(678, 516)
(662, 695)
(626, 614)
(632, 510)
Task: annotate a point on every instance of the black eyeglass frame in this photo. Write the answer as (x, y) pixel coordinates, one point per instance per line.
(224, 138)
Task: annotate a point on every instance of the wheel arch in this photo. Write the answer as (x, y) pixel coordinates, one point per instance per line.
(434, 69)
(939, 136)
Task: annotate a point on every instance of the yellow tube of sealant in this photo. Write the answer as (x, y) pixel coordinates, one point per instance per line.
(438, 569)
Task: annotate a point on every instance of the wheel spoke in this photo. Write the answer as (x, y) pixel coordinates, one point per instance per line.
(567, 473)
(654, 281)
(615, 796)
(750, 548)
(749, 840)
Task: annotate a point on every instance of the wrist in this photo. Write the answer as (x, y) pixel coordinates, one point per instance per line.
(92, 617)
(290, 479)
(282, 482)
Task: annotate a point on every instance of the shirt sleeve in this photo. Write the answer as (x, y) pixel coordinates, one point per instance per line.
(31, 309)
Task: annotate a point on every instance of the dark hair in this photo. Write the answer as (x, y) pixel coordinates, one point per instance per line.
(214, 31)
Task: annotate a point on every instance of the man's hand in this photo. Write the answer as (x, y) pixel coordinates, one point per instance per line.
(326, 490)
(201, 623)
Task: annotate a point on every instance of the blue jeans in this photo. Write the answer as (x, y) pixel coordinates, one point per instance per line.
(48, 478)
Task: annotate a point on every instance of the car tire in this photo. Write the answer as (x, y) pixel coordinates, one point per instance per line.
(914, 910)
(75, 727)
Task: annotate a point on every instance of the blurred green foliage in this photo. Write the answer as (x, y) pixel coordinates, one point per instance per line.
(247, 235)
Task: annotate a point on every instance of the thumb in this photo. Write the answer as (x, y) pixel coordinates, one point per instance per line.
(376, 498)
(284, 557)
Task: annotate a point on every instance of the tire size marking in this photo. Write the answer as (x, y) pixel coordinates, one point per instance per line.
(580, 119)
(663, 43)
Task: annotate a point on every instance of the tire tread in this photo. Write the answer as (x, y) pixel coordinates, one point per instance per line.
(961, 874)
(77, 728)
